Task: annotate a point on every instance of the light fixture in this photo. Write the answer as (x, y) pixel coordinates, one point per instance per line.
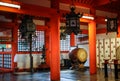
(105, 20)
(9, 5)
(27, 27)
(73, 22)
(27, 30)
(112, 25)
(88, 17)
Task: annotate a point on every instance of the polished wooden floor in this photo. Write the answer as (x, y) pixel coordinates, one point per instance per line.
(66, 75)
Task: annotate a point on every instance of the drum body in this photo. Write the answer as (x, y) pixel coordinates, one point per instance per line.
(118, 56)
(78, 56)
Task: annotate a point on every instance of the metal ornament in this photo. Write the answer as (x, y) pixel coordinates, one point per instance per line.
(73, 22)
(112, 25)
(27, 29)
(27, 26)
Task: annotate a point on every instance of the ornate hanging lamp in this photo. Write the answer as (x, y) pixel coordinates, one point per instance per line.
(27, 26)
(112, 25)
(27, 29)
(73, 22)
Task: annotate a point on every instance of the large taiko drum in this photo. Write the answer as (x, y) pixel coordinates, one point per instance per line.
(78, 56)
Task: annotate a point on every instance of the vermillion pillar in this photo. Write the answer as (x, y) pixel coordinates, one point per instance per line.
(92, 47)
(14, 41)
(72, 39)
(14, 47)
(118, 29)
(55, 48)
(47, 44)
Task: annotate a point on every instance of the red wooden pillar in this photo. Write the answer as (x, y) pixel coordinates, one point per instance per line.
(72, 39)
(47, 46)
(14, 41)
(55, 47)
(118, 29)
(92, 47)
(14, 46)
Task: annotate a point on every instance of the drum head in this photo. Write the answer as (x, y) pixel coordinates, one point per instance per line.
(82, 55)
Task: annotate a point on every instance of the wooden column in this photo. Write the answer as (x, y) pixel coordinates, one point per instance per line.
(55, 47)
(92, 47)
(14, 40)
(72, 39)
(47, 46)
(14, 45)
(118, 29)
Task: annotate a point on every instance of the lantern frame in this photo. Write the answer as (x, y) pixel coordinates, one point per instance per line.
(112, 25)
(73, 22)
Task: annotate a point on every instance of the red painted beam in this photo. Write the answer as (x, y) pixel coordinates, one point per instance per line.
(100, 20)
(75, 3)
(84, 31)
(99, 31)
(30, 10)
(102, 2)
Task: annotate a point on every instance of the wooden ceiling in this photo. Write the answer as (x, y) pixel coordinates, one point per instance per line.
(109, 5)
(105, 5)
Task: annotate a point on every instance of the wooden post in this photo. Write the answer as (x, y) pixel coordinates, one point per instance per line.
(47, 44)
(92, 46)
(55, 48)
(72, 39)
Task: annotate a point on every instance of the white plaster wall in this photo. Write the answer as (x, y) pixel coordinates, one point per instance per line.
(101, 53)
(64, 55)
(23, 60)
(106, 49)
(105, 36)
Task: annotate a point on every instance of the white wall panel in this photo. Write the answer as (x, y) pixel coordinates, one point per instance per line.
(113, 48)
(112, 52)
(97, 53)
(101, 53)
(23, 60)
(107, 48)
(117, 42)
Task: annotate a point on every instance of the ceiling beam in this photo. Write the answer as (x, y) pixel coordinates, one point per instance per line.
(30, 10)
(75, 3)
(102, 2)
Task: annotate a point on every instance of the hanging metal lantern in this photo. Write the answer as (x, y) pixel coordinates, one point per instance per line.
(112, 25)
(27, 29)
(73, 22)
(27, 26)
